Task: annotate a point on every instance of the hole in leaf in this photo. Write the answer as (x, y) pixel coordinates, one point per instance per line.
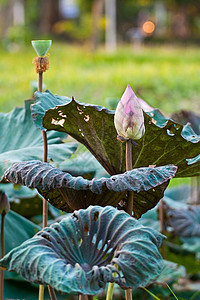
(57, 229)
(99, 245)
(46, 236)
(86, 229)
(94, 239)
(96, 215)
(115, 274)
(170, 132)
(105, 246)
(75, 217)
(109, 250)
(80, 242)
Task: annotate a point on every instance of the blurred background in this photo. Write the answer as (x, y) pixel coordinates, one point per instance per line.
(100, 46)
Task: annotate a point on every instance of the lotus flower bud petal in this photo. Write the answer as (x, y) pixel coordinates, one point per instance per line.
(4, 203)
(129, 118)
(145, 106)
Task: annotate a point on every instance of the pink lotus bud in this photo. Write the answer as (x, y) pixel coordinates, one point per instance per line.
(129, 118)
(145, 106)
(4, 203)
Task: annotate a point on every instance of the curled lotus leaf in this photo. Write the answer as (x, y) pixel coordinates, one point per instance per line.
(87, 249)
(67, 192)
(164, 142)
(25, 140)
(185, 222)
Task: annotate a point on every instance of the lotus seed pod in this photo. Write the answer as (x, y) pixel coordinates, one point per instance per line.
(129, 118)
(41, 46)
(4, 203)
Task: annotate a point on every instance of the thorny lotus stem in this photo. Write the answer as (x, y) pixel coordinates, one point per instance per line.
(129, 207)
(161, 218)
(2, 254)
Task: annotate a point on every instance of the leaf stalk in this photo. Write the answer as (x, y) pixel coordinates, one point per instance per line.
(2, 254)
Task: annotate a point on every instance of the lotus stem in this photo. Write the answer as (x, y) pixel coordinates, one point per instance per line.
(2, 254)
(45, 154)
(110, 291)
(52, 293)
(192, 191)
(85, 297)
(198, 190)
(129, 166)
(128, 294)
(45, 203)
(162, 229)
(129, 207)
(41, 292)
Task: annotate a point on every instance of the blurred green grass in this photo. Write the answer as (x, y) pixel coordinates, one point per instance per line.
(166, 77)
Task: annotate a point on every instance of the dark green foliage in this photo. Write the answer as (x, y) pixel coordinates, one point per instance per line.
(183, 117)
(79, 253)
(23, 200)
(20, 140)
(185, 222)
(67, 192)
(164, 142)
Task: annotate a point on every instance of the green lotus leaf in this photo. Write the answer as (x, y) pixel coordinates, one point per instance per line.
(13, 238)
(185, 222)
(26, 202)
(183, 117)
(191, 244)
(171, 272)
(20, 140)
(80, 253)
(84, 164)
(164, 142)
(41, 46)
(66, 192)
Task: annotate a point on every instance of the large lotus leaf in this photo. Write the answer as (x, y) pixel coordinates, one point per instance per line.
(164, 142)
(84, 164)
(80, 253)
(150, 218)
(183, 117)
(191, 244)
(67, 192)
(171, 272)
(17, 230)
(25, 230)
(27, 202)
(20, 140)
(179, 193)
(185, 222)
